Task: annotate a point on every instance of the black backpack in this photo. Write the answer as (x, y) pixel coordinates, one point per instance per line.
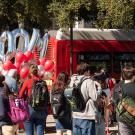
(58, 104)
(75, 97)
(39, 95)
(4, 101)
(2, 106)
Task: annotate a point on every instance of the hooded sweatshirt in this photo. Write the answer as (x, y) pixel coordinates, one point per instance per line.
(89, 92)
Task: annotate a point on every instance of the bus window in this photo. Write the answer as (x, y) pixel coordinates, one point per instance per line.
(96, 60)
(122, 59)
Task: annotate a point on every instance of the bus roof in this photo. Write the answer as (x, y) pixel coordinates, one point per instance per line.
(95, 34)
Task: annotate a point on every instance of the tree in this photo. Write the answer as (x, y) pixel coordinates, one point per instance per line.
(30, 13)
(66, 12)
(7, 14)
(34, 14)
(116, 14)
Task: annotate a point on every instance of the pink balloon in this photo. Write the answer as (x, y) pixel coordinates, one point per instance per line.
(19, 57)
(24, 72)
(38, 62)
(17, 64)
(40, 67)
(8, 65)
(42, 61)
(28, 55)
(49, 65)
(41, 73)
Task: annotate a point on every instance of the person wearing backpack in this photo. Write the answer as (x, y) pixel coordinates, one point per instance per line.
(124, 97)
(84, 120)
(5, 121)
(37, 93)
(60, 106)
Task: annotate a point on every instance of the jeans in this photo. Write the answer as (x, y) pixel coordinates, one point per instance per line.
(83, 127)
(37, 121)
(125, 129)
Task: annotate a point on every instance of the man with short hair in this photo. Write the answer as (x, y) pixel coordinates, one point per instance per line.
(84, 122)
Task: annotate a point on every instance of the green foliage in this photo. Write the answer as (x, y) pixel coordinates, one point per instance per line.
(39, 13)
(116, 13)
(7, 14)
(106, 13)
(31, 13)
(66, 12)
(35, 14)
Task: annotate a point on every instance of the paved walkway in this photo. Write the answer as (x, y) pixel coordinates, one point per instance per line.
(50, 127)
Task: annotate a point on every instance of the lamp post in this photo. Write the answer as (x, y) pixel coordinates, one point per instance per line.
(71, 43)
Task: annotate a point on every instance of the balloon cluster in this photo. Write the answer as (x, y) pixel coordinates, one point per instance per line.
(28, 44)
(26, 53)
(22, 60)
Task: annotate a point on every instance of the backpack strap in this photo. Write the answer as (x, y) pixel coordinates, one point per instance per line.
(81, 82)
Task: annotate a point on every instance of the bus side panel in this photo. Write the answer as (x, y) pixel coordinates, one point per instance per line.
(62, 47)
(103, 46)
(62, 56)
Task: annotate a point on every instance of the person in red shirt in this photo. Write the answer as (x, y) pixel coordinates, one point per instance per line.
(37, 117)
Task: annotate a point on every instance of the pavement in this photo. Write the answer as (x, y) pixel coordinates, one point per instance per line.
(50, 127)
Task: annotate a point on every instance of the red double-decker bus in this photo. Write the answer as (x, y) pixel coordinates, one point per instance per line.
(110, 48)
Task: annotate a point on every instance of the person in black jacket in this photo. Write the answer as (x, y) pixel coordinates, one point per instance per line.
(126, 87)
(8, 128)
(60, 106)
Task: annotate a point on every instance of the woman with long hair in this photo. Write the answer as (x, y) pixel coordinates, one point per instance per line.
(37, 116)
(63, 115)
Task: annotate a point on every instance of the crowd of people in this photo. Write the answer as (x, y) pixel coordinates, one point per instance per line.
(102, 95)
(97, 105)
(11, 86)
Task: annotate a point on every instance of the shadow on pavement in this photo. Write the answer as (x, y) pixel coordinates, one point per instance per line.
(51, 129)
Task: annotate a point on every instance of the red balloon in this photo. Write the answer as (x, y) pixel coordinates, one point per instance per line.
(8, 65)
(25, 58)
(28, 55)
(38, 62)
(42, 61)
(18, 66)
(24, 72)
(19, 57)
(49, 65)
